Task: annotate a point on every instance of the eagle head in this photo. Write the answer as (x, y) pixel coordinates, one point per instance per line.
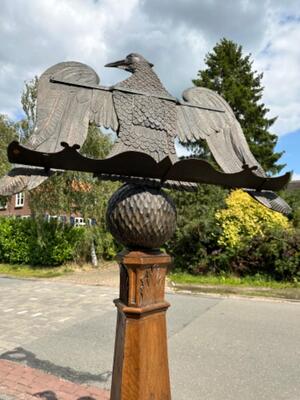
(131, 63)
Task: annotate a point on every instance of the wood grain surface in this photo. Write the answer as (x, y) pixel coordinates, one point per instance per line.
(141, 370)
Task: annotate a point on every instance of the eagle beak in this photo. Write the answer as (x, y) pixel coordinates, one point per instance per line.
(117, 64)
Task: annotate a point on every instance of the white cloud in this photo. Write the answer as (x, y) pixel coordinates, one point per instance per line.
(280, 60)
(37, 34)
(175, 35)
(296, 176)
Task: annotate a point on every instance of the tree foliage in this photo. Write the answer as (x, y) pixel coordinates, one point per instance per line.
(244, 218)
(81, 193)
(196, 231)
(73, 192)
(76, 191)
(8, 133)
(292, 197)
(233, 235)
(28, 101)
(231, 74)
(275, 254)
(36, 242)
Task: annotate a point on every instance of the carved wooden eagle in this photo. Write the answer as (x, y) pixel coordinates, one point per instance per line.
(144, 115)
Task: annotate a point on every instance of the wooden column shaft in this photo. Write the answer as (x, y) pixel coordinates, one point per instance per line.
(141, 359)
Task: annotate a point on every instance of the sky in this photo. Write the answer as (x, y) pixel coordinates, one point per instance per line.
(175, 35)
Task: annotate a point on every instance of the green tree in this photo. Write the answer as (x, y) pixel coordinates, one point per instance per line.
(8, 133)
(81, 193)
(197, 232)
(21, 130)
(231, 74)
(244, 218)
(292, 197)
(28, 101)
(72, 192)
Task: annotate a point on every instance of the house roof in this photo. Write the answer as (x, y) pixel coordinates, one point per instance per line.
(294, 185)
(80, 186)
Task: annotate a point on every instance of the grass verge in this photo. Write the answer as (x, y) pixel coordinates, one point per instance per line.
(253, 286)
(25, 271)
(229, 280)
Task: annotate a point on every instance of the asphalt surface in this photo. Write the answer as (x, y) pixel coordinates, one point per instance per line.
(220, 349)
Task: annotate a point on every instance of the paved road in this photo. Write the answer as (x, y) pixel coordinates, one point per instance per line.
(220, 349)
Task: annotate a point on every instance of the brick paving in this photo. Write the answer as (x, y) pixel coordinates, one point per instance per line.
(220, 349)
(30, 309)
(20, 382)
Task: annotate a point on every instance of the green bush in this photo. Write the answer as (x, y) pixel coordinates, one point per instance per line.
(15, 241)
(270, 248)
(105, 245)
(277, 254)
(28, 241)
(292, 197)
(244, 218)
(197, 232)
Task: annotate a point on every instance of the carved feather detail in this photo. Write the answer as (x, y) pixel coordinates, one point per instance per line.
(63, 115)
(145, 117)
(224, 137)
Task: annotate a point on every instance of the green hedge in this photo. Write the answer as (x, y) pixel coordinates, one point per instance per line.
(276, 254)
(273, 250)
(27, 241)
(105, 245)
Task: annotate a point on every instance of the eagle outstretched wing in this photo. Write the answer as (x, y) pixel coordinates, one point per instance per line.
(63, 115)
(224, 137)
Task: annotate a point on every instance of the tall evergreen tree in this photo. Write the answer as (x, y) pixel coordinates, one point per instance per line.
(231, 74)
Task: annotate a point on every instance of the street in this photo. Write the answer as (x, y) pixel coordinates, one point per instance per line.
(219, 348)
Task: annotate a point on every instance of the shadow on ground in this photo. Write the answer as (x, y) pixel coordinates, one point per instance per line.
(49, 395)
(25, 357)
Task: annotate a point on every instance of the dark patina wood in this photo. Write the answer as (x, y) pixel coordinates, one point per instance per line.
(141, 369)
(147, 120)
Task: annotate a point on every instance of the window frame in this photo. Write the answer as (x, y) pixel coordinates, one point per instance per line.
(79, 221)
(20, 200)
(3, 206)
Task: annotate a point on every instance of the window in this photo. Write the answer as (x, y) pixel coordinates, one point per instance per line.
(20, 199)
(78, 221)
(3, 204)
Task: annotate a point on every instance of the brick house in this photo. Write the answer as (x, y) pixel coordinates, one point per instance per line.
(294, 185)
(18, 206)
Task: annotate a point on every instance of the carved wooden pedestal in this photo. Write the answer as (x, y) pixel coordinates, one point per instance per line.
(141, 369)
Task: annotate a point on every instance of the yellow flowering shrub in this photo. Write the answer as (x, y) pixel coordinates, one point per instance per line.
(245, 218)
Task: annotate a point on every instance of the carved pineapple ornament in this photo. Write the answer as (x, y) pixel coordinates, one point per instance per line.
(140, 216)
